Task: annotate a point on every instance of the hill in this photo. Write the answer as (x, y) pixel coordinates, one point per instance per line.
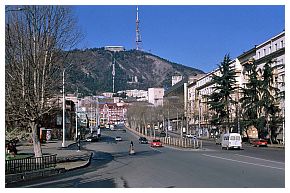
(91, 72)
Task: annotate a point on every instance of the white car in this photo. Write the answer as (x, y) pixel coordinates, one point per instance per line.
(118, 138)
(190, 136)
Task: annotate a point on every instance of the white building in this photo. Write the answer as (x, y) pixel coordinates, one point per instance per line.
(175, 79)
(155, 96)
(141, 95)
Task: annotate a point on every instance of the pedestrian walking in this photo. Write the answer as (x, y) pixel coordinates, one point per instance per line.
(131, 149)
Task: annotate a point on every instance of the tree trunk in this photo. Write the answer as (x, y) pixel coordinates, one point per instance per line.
(35, 139)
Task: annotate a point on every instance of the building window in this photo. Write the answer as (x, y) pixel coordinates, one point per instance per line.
(270, 49)
(282, 44)
(276, 47)
(264, 52)
(259, 55)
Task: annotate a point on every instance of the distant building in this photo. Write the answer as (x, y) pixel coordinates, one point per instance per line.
(155, 96)
(112, 113)
(140, 95)
(108, 94)
(115, 48)
(175, 79)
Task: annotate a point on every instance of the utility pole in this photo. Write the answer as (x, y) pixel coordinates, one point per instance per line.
(91, 111)
(63, 111)
(199, 114)
(77, 108)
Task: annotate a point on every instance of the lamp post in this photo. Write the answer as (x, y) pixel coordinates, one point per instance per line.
(63, 108)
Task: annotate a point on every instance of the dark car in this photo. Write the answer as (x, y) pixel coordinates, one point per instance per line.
(162, 134)
(143, 140)
(92, 138)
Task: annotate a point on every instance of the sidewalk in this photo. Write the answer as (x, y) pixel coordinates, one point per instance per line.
(68, 157)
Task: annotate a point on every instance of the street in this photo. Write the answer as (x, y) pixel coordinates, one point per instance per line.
(111, 166)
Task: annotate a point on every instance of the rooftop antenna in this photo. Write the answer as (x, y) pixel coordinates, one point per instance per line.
(138, 35)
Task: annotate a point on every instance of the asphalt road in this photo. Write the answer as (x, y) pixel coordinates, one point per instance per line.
(169, 167)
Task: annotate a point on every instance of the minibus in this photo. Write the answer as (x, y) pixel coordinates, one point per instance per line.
(231, 141)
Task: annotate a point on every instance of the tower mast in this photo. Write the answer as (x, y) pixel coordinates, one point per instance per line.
(138, 35)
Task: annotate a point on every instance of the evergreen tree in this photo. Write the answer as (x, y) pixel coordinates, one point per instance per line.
(259, 101)
(221, 100)
(251, 96)
(269, 98)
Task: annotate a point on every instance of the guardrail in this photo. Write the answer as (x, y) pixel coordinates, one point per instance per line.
(173, 141)
(184, 142)
(29, 164)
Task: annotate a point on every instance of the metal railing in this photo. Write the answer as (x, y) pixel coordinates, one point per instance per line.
(29, 164)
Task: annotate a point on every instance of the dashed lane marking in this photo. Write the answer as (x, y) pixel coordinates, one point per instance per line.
(244, 162)
(260, 159)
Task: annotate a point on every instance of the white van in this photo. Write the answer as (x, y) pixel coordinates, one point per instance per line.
(231, 140)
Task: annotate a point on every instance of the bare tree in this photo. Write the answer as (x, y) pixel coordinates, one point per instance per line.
(35, 40)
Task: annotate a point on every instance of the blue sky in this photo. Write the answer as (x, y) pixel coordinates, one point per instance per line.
(192, 35)
(195, 36)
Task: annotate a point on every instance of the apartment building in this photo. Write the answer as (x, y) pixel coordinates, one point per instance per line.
(198, 90)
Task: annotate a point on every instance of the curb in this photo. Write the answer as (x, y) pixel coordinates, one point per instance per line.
(84, 165)
(31, 175)
(26, 176)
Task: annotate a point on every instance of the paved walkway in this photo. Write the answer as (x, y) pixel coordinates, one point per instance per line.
(68, 157)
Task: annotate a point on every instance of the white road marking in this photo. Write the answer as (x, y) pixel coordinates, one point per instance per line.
(243, 162)
(156, 149)
(259, 159)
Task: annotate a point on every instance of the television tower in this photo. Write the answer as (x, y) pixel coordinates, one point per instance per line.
(138, 35)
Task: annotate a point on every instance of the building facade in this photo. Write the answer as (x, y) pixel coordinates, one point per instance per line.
(155, 96)
(273, 49)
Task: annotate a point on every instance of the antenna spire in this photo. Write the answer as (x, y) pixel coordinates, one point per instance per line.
(138, 35)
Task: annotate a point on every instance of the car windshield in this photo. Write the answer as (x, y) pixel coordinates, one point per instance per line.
(156, 140)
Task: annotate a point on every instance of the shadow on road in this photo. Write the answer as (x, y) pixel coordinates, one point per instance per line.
(137, 154)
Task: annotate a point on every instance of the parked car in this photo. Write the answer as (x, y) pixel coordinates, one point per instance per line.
(156, 143)
(92, 138)
(162, 134)
(190, 136)
(259, 142)
(118, 138)
(143, 140)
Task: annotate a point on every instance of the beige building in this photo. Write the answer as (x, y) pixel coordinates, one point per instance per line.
(272, 49)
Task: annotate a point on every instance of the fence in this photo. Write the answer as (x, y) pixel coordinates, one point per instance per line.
(173, 141)
(185, 143)
(29, 164)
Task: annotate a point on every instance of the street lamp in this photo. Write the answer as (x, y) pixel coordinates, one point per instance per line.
(63, 108)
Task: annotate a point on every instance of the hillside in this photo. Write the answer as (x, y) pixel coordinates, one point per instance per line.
(92, 71)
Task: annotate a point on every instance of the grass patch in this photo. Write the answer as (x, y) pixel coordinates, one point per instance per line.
(18, 156)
